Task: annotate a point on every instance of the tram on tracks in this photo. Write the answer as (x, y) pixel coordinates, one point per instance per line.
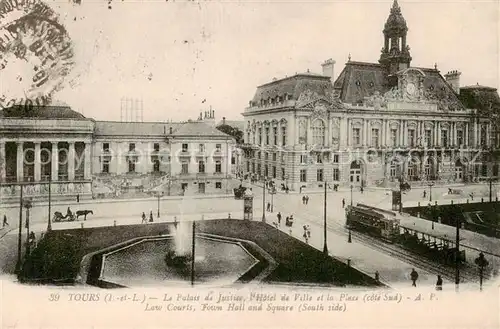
(385, 225)
(377, 222)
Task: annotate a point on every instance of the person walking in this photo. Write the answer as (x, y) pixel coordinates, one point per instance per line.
(303, 199)
(439, 283)
(361, 189)
(78, 198)
(144, 220)
(305, 237)
(308, 231)
(150, 216)
(424, 194)
(269, 206)
(307, 199)
(343, 203)
(5, 222)
(414, 277)
(279, 218)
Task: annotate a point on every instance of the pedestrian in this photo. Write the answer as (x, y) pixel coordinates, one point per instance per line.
(377, 276)
(175, 222)
(303, 199)
(5, 222)
(308, 231)
(307, 199)
(287, 221)
(144, 218)
(361, 189)
(439, 283)
(151, 216)
(414, 277)
(305, 237)
(279, 218)
(343, 203)
(472, 196)
(425, 194)
(78, 198)
(268, 206)
(300, 189)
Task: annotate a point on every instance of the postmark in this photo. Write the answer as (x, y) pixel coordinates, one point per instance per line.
(36, 53)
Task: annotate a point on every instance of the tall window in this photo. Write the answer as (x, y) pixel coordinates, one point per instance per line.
(428, 138)
(444, 138)
(266, 156)
(336, 174)
(248, 137)
(460, 137)
(356, 136)
(303, 175)
(318, 131)
(274, 171)
(184, 147)
(131, 147)
(185, 168)
(260, 136)
(411, 137)
(201, 167)
(266, 171)
(267, 136)
(156, 147)
(274, 156)
(131, 166)
(319, 175)
(275, 135)
(319, 158)
(303, 159)
(394, 137)
(218, 147)
(394, 169)
(218, 167)
(105, 147)
(335, 158)
(375, 137)
(202, 148)
(283, 136)
(105, 167)
(283, 173)
(483, 135)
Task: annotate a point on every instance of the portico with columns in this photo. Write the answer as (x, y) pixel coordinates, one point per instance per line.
(37, 150)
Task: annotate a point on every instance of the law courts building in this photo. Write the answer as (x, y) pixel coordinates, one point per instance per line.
(89, 158)
(376, 124)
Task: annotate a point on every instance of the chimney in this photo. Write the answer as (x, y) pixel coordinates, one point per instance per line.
(328, 66)
(453, 79)
(223, 120)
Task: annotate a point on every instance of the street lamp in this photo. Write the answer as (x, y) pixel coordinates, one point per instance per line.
(325, 247)
(430, 191)
(19, 237)
(27, 205)
(49, 222)
(481, 262)
(159, 195)
(351, 195)
(264, 200)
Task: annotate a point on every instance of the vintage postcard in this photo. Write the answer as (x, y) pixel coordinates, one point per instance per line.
(249, 164)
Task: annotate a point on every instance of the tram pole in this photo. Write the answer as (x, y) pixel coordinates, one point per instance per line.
(351, 195)
(264, 200)
(19, 238)
(193, 252)
(457, 249)
(325, 247)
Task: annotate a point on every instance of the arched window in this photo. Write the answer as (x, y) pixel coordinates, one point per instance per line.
(318, 131)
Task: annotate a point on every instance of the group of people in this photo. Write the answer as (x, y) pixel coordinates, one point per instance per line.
(305, 199)
(145, 220)
(307, 233)
(414, 278)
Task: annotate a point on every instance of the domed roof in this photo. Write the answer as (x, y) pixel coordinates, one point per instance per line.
(396, 20)
(41, 112)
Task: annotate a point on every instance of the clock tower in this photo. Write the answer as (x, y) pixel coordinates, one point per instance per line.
(395, 53)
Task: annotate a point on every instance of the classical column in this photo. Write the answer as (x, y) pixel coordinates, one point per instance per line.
(3, 160)
(37, 164)
(466, 134)
(476, 140)
(71, 161)
(54, 162)
(309, 140)
(87, 159)
(349, 132)
(20, 162)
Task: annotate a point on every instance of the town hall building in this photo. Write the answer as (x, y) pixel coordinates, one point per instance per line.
(376, 124)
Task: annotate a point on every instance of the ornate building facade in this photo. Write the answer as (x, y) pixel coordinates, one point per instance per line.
(81, 156)
(377, 124)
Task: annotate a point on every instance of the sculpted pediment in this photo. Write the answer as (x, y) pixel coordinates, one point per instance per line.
(312, 100)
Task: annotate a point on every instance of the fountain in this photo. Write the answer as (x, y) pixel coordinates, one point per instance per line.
(180, 257)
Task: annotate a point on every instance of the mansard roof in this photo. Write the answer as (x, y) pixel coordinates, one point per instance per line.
(360, 79)
(41, 112)
(293, 86)
(483, 98)
(198, 129)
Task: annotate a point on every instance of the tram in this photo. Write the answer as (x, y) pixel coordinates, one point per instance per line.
(374, 221)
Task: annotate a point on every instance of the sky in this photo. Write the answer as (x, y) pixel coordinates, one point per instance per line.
(182, 57)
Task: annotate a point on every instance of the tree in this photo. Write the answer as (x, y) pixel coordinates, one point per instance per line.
(232, 131)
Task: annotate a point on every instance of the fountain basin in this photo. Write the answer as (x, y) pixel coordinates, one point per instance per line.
(151, 261)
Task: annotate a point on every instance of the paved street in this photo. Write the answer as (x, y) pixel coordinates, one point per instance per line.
(124, 212)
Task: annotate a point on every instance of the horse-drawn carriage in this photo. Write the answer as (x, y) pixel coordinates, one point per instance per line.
(70, 216)
(239, 192)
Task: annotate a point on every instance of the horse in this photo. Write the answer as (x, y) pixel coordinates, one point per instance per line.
(83, 213)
